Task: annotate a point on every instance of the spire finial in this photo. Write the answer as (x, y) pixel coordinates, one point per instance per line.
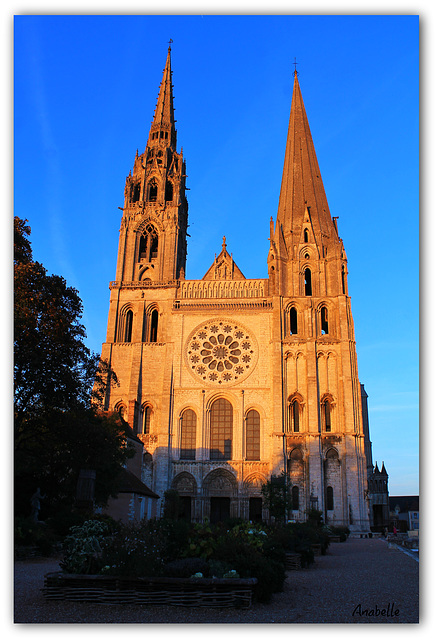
(295, 70)
(224, 243)
(169, 45)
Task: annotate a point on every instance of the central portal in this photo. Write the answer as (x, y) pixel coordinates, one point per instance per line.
(220, 509)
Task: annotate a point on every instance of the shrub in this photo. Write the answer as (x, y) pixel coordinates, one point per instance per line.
(82, 548)
(249, 562)
(218, 568)
(343, 532)
(186, 567)
(201, 542)
(27, 533)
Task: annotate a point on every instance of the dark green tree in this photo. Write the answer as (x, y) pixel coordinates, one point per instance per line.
(58, 429)
(276, 496)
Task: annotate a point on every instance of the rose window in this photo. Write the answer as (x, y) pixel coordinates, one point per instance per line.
(221, 352)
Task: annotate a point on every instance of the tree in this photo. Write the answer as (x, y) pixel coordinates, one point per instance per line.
(276, 494)
(58, 430)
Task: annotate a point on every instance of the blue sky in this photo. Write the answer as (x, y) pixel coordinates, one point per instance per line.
(85, 90)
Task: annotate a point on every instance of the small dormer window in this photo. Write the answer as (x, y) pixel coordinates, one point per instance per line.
(305, 235)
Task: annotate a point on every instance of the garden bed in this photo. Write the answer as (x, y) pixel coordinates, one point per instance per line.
(192, 592)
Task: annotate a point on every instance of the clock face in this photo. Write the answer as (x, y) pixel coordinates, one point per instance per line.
(221, 352)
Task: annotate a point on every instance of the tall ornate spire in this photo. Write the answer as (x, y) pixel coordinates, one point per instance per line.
(163, 125)
(302, 186)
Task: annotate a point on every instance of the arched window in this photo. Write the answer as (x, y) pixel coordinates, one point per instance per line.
(326, 415)
(153, 191)
(147, 412)
(324, 320)
(329, 498)
(293, 421)
(154, 326)
(169, 192)
(188, 435)
(252, 435)
(150, 326)
(343, 279)
(308, 285)
(148, 249)
(293, 321)
(120, 408)
(295, 498)
(128, 326)
(305, 235)
(221, 424)
(136, 189)
(272, 279)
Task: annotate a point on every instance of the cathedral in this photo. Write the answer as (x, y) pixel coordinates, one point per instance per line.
(228, 380)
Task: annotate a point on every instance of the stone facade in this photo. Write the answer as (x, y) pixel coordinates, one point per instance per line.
(228, 380)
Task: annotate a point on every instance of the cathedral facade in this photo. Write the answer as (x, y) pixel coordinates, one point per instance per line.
(229, 380)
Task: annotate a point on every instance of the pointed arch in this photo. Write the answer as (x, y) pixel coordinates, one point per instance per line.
(145, 418)
(125, 324)
(326, 412)
(292, 320)
(324, 320)
(295, 413)
(221, 429)
(188, 425)
(152, 190)
(308, 285)
(121, 408)
(253, 440)
(151, 324)
(148, 245)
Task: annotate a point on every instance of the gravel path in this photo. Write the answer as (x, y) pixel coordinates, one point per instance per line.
(356, 575)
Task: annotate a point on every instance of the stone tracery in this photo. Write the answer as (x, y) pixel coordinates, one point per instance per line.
(221, 352)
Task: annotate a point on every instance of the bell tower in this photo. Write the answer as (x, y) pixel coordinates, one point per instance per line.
(321, 414)
(152, 245)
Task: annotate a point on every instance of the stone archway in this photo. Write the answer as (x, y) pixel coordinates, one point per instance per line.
(186, 486)
(220, 495)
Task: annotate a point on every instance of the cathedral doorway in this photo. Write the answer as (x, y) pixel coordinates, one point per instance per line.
(220, 509)
(255, 509)
(185, 508)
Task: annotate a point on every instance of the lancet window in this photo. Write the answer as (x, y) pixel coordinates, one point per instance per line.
(308, 283)
(252, 435)
(148, 249)
(188, 435)
(221, 427)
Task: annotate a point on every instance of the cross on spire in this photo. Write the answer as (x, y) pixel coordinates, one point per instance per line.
(170, 42)
(295, 64)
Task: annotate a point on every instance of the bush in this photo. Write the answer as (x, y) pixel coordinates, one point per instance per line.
(249, 562)
(144, 549)
(343, 532)
(82, 548)
(201, 541)
(28, 533)
(186, 567)
(218, 568)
